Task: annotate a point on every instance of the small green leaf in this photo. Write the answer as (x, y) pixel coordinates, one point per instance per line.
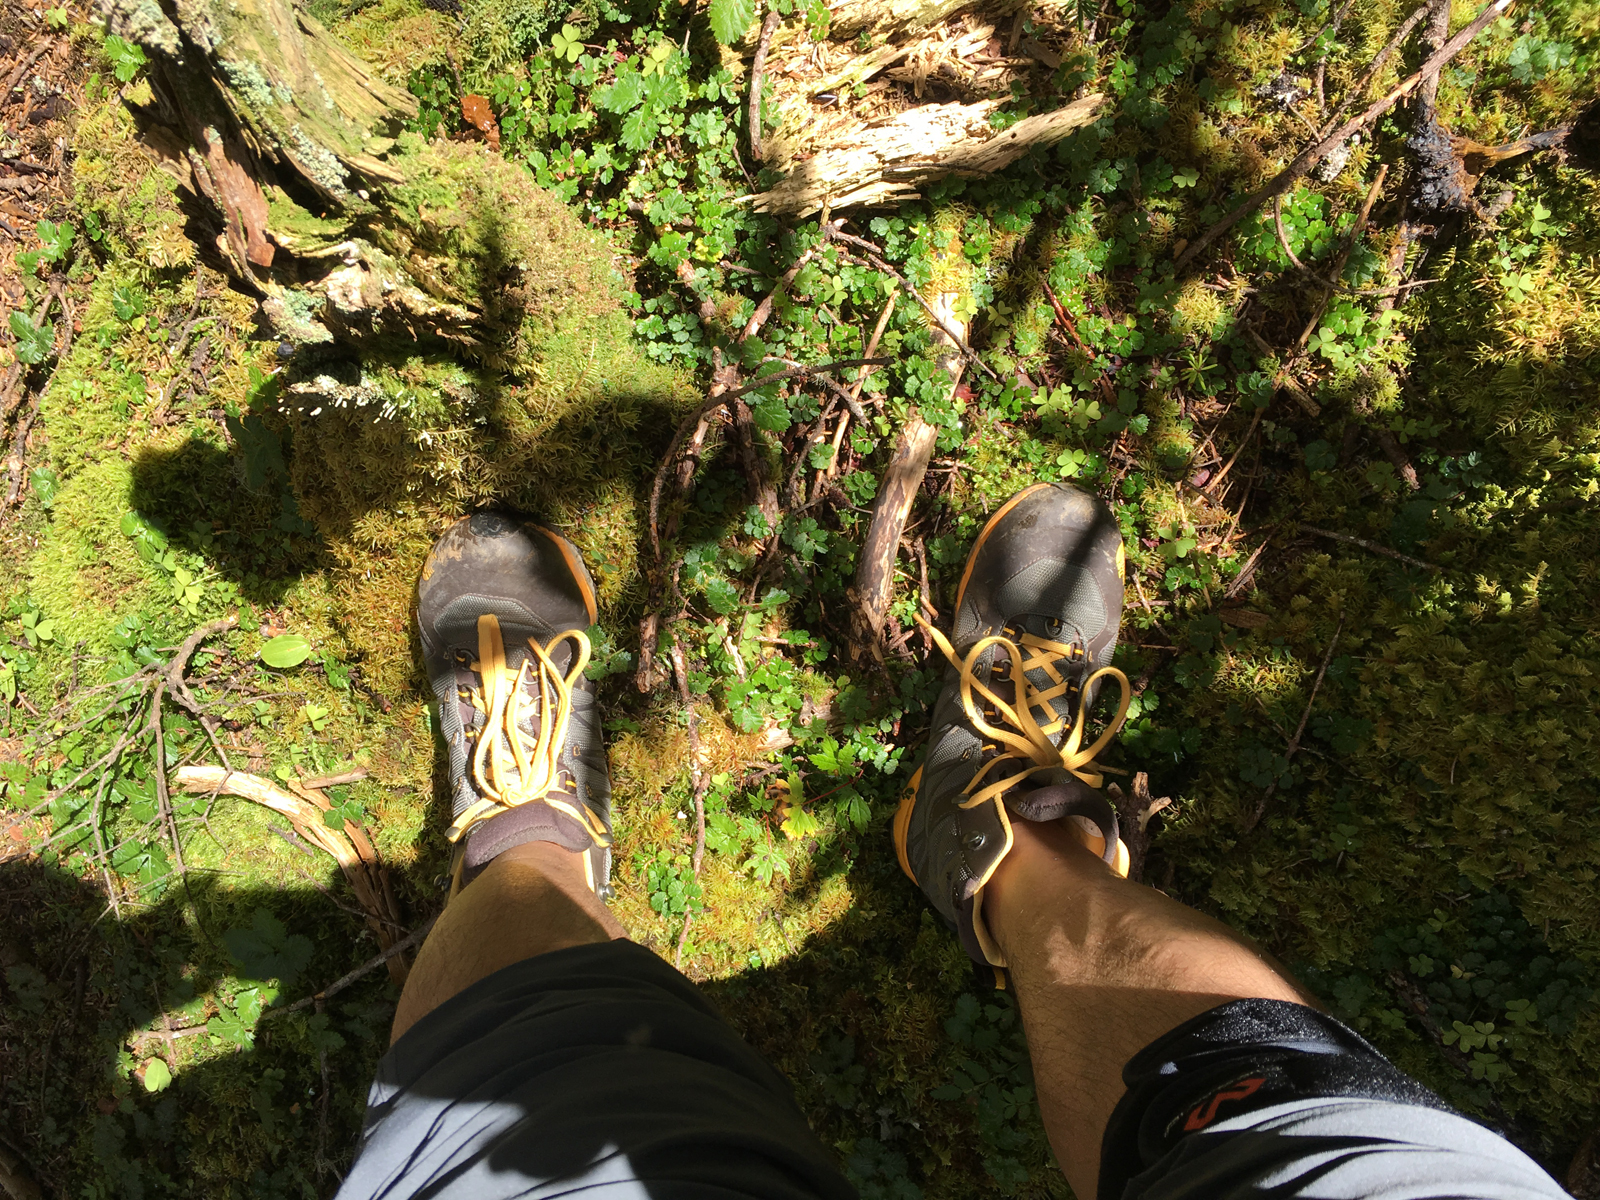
(157, 1075)
(285, 651)
(731, 19)
(33, 345)
(126, 58)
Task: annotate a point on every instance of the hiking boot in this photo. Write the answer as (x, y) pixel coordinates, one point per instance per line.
(503, 608)
(1035, 627)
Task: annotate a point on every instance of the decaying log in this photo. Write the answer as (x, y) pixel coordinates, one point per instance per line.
(360, 239)
(893, 157)
(349, 846)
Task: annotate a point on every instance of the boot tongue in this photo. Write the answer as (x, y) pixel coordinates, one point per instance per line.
(1071, 799)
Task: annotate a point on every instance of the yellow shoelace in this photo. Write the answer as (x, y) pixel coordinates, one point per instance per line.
(509, 766)
(1027, 741)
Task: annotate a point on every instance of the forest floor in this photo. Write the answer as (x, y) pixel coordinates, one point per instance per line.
(1354, 447)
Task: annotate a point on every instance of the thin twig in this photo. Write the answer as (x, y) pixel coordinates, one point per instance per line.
(1332, 286)
(820, 369)
(1375, 547)
(949, 330)
(1317, 151)
(1354, 95)
(372, 964)
(872, 343)
(1294, 742)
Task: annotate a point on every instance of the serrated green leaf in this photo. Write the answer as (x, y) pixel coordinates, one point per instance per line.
(731, 19)
(639, 129)
(625, 95)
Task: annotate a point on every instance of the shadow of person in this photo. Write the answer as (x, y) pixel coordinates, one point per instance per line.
(269, 1106)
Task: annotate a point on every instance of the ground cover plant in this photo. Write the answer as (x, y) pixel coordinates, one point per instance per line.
(1352, 444)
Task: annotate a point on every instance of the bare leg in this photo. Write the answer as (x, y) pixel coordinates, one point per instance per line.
(1102, 967)
(530, 900)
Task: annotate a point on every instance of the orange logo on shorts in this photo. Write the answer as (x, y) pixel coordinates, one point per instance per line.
(1204, 1114)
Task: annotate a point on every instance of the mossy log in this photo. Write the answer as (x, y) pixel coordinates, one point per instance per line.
(353, 232)
(450, 332)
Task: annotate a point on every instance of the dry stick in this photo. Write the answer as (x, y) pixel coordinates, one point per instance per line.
(366, 968)
(820, 369)
(1375, 547)
(1355, 93)
(948, 330)
(1294, 742)
(901, 480)
(327, 781)
(768, 27)
(134, 726)
(1315, 153)
(1243, 442)
(163, 796)
(697, 778)
(100, 849)
(764, 309)
(872, 343)
(172, 678)
(23, 68)
(855, 394)
(1242, 580)
(1356, 231)
(1106, 388)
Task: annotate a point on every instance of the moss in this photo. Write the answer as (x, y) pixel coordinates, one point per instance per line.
(85, 574)
(119, 185)
(295, 228)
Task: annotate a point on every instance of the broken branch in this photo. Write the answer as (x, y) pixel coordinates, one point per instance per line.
(1315, 153)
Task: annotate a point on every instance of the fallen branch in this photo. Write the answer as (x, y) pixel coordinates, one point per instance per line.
(1354, 95)
(1294, 742)
(372, 964)
(349, 847)
(875, 573)
(758, 68)
(1333, 285)
(1375, 547)
(1317, 151)
(792, 372)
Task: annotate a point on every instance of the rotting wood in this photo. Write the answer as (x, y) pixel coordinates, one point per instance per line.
(1135, 808)
(893, 157)
(349, 846)
(875, 573)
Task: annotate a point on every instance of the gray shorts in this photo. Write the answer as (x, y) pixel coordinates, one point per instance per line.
(600, 1072)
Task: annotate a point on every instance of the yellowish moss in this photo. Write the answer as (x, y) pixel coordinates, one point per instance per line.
(85, 574)
(119, 184)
